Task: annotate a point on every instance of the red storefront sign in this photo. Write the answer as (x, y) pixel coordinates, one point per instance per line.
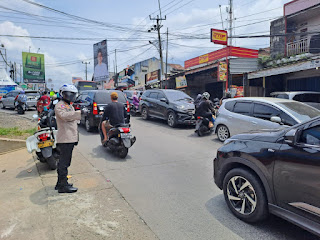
(222, 53)
(219, 36)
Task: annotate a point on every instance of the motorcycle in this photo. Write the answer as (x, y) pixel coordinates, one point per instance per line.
(120, 139)
(134, 110)
(43, 141)
(21, 107)
(202, 126)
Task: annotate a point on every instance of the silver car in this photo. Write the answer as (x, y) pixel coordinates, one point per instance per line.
(247, 114)
(7, 101)
(310, 98)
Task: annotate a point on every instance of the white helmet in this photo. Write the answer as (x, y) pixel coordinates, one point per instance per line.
(206, 95)
(68, 92)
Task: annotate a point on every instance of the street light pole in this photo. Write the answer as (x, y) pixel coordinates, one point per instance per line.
(86, 63)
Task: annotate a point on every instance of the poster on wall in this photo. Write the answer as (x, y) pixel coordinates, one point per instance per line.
(181, 82)
(237, 91)
(33, 67)
(100, 54)
(152, 77)
(222, 72)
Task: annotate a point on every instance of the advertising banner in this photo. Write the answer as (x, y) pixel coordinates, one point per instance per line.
(222, 71)
(33, 67)
(219, 36)
(100, 54)
(152, 77)
(181, 82)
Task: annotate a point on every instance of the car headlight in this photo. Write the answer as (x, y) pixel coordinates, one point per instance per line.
(181, 107)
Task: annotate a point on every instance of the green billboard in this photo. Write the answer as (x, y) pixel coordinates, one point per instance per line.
(33, 67)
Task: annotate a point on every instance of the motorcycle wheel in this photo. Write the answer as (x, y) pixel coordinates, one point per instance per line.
(20, 110)
(40, 157)
(123, 152)
(201, 131)
(52, 162)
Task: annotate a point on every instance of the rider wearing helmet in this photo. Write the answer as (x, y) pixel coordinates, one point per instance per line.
(67, 136)
(206, 108)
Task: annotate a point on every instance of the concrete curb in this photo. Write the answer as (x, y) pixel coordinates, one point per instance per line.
(12, 140)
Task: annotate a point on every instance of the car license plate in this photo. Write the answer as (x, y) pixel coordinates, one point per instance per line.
(47, 143)
(125, 135)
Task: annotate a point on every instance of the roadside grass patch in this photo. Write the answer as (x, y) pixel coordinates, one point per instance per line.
(15, 131)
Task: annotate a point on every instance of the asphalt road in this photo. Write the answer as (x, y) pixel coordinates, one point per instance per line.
(28, 114)
(167, 178)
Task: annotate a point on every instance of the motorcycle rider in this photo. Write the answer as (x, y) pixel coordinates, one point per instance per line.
(43, 101)
(206, 109)
(135, 100)
(67, 136)
(20, 98)
(114, 114)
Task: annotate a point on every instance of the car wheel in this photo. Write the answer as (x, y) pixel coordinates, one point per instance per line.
(172, 119)
(2, 105)
(144, 113)
(223, 133)
(245, 195)
(87, 125)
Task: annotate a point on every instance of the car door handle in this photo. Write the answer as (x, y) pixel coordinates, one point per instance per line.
(271, 150)
(253, 122)
(229, 116)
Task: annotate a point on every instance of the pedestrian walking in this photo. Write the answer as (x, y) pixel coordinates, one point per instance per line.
(67, 136)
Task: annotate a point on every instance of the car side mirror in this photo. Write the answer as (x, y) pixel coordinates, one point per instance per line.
(131, 98)
(291, 137)
(276, 119)
(163, 100)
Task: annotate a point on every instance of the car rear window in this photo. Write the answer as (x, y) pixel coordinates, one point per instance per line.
(307, 97)
(104, 97)
(35, 94)
(243, 108)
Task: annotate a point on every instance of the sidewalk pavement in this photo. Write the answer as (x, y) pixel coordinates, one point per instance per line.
(30, 208)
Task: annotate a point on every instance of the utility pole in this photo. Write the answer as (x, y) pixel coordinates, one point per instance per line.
(15, 72)
(157, 28)
(167, 56)
(86, 63)
(230, 21)
(221, 17)
(115, 60)
(21, 74)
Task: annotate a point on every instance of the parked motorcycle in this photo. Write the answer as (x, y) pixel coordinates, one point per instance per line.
(120, 139)
(43, 142)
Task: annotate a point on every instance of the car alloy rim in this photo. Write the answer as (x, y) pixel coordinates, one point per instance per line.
(223, 133)
(241, 195)
(170, 119)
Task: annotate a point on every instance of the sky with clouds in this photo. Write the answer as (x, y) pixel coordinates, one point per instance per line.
(125, 25)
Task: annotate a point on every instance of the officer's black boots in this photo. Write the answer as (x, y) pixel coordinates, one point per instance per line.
(58, 185)
(67, 189)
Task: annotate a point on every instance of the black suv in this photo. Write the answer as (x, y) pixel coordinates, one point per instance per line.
(92, 102)
(174, 106)
(273, 171)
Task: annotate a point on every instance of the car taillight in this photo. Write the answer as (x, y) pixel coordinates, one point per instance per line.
(198, 117)
(95, 109)
(128, 107)
(126, 130)
(76, 107)
(44, 137)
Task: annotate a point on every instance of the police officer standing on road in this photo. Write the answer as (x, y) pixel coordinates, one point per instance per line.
(67, 136)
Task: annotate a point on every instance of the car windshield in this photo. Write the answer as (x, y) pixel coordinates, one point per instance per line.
(308, 97)
(104, 97)
(32, 94)
(177, 96)
(299, 110)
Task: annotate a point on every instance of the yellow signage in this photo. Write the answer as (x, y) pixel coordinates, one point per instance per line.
(204, 58)
(219, 36)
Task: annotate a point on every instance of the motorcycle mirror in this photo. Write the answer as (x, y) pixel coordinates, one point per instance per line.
(55, 102)
(35, 116)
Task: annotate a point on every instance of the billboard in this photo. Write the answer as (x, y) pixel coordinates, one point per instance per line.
(33, 67)
(222, 71)
(219, 36)
(152, 77)
(100, 54)
(181, 82)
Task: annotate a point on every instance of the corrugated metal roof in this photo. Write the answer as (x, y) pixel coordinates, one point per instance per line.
(243, 65)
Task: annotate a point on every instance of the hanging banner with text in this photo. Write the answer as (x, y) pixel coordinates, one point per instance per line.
(219, 36)
(33, 67)
(222, 72)
(181, 82)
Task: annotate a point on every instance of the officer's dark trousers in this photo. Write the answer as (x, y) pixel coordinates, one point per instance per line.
(65, 150)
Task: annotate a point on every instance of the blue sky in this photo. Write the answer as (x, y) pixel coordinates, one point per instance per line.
(187, 17)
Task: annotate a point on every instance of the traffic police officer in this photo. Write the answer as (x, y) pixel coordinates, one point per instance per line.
(67, 136)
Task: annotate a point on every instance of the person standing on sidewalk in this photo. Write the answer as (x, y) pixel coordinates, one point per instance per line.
(67, 136)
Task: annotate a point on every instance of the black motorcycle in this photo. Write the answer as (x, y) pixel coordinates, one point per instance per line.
(120, 139)
(202, 126)
(134, 111)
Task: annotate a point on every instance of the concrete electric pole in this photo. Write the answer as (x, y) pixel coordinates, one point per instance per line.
(86, 63)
